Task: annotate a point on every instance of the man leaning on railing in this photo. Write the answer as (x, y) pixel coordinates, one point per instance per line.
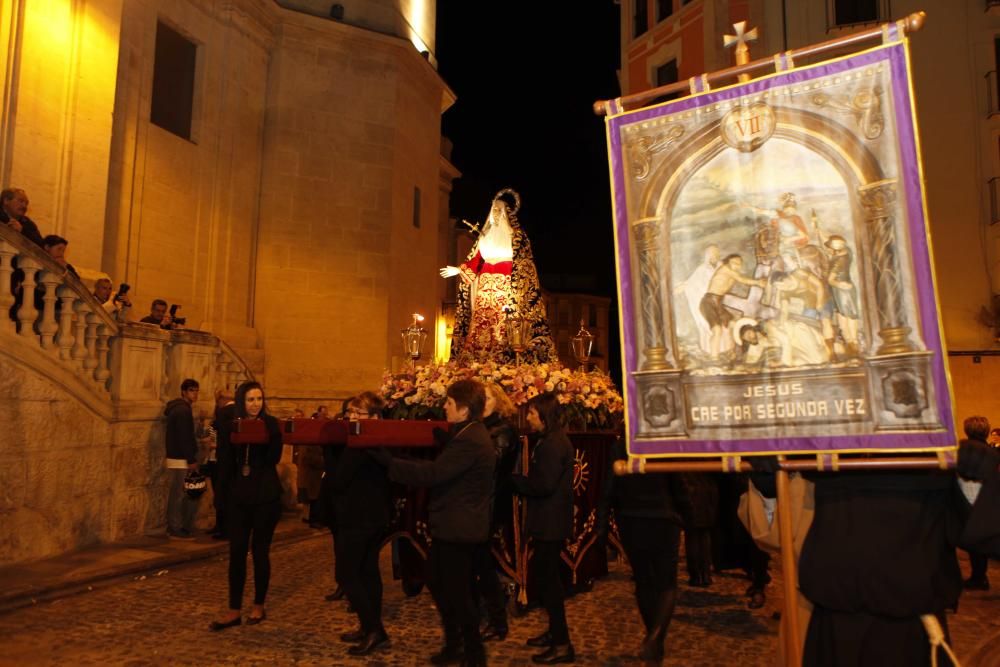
(13, 207)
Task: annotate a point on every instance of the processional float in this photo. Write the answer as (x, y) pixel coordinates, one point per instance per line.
(774, 273)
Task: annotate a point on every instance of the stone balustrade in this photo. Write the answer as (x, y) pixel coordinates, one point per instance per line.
(72, 327)
(82, 395)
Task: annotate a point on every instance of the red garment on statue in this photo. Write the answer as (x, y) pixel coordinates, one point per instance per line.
(489, 295)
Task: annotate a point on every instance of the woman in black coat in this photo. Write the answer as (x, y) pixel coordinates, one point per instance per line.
(548, 488)
(254, 508)
(361, 498)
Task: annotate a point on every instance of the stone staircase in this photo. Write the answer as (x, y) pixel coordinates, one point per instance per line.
(81, 399)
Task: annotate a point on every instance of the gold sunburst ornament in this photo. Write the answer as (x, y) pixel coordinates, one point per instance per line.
(581, 473)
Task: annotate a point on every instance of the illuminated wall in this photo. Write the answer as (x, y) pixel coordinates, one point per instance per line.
(60, 62)
(413, 20)
(289, 222)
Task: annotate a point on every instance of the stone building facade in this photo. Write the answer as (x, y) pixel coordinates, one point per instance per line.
(300, 221)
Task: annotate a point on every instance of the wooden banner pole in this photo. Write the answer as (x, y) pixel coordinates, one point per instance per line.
(911, 23)
(789, 572)
(622, 467)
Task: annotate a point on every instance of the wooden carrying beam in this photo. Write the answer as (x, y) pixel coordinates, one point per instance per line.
(248, 432)
(911, 23)
(302, 431)
(361, 433)
(395, 433)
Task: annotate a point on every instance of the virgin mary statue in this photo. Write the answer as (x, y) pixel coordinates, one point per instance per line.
(499, 280)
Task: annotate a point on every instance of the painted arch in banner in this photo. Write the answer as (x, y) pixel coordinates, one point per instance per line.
(774, 271)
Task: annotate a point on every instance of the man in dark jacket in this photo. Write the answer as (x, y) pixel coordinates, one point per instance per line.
(461, 486)
(13, 207)
(182, 452)
(648, 513)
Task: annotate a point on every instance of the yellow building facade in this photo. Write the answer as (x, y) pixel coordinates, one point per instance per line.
(290, 194)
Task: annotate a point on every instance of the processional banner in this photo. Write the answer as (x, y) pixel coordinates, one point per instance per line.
(774, 269)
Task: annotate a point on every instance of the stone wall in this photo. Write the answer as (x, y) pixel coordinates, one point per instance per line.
(72, 475)
(182, 215)
(57, 476)
(352, 127)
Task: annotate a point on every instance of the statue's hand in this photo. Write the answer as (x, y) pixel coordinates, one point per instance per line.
(449, 271)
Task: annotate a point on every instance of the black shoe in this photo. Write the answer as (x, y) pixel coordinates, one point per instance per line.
(215, 626)
(542, 640)
(338, 594)
(451, 654)
(555, 655)
(372, 642)
(180, 534)
(977, 584)
(254, 620)
(354, 636)
(479, 660)
(651, 649)
(756, 599)
(498, 632)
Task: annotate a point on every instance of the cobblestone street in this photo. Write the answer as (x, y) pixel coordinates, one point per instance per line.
(162, 618)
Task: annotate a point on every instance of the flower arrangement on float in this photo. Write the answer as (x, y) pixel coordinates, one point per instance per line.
(589, 399)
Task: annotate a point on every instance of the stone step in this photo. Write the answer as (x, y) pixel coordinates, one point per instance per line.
(254, 359)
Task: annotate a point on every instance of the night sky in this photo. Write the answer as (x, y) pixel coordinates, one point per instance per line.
(526, 74)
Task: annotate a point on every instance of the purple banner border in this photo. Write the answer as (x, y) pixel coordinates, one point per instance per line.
(909, 180)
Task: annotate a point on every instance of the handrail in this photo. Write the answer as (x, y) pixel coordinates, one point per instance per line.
(911, 23)
(27, 247)
(73, 328)
(227, 348)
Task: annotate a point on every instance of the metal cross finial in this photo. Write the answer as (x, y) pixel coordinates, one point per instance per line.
(740, 40)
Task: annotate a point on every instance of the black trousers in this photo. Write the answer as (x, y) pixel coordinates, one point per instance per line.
(760, 560)
(698, 550)
(220, 491)
(488, 586)
(449, 577)
(979, 564)
(552, 592)
(651, 545)
(356, 552)
(251, 527)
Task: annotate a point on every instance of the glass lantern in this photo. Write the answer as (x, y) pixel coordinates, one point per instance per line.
(583, 346)
(414, 337)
